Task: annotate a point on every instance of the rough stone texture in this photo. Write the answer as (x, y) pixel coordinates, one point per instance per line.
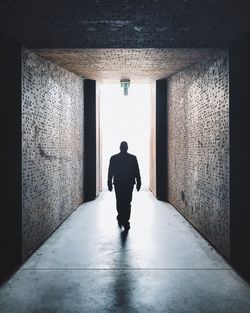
(125, 23)
(115, 64)
(52, 144)
(198, 148)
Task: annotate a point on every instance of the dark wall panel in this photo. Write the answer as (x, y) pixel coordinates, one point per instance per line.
(198, 147)
(52, 143)
(10, 134)
(90, 140)
(98, 141)
(152, 165)
(161, 139)
(240, 153)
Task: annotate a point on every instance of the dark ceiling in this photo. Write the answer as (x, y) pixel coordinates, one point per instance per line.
(125, 24)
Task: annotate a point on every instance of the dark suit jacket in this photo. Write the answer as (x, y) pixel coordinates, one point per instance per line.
(124, 169)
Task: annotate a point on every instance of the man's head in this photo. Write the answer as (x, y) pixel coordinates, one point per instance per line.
(124, 146)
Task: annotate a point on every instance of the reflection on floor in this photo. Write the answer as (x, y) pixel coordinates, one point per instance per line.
(90, 265)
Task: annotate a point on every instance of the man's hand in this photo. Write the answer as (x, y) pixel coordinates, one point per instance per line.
(110, 187)
(138, 186)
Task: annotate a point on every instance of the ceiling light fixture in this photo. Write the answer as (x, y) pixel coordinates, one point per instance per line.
(125, 84)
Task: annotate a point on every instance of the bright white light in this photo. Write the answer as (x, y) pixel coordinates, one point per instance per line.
(125, 118)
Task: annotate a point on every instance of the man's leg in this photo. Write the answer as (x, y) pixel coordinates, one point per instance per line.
(123, 204)
(127, 206)
(119, 202)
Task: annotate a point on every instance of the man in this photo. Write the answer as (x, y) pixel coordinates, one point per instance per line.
(123, 173)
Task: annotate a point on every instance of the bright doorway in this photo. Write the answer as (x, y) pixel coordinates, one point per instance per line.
(125, 118)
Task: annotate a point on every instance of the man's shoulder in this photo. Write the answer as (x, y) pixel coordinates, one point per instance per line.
(132, 156)
(115, 156)
(119, 155)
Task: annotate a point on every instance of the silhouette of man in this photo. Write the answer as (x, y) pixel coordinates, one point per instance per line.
(123, 173)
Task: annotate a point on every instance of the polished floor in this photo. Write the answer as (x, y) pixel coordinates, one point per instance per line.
(90, 265)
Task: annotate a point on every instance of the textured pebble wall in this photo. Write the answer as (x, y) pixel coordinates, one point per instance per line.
(52, 147)
(198, 147)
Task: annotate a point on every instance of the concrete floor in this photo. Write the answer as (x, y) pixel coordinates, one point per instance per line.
(89, 265)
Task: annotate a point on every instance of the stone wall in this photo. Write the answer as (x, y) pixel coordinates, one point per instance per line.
(198, 147)
(52, 148)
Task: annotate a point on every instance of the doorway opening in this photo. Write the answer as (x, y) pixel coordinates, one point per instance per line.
(125, 118)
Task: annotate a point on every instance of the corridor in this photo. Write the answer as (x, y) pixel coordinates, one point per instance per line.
(90, 265)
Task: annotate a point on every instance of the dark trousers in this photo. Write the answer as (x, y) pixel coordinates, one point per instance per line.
(123, 203)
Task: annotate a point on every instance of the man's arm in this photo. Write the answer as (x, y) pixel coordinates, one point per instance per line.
(110, 175)
(137, 175)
